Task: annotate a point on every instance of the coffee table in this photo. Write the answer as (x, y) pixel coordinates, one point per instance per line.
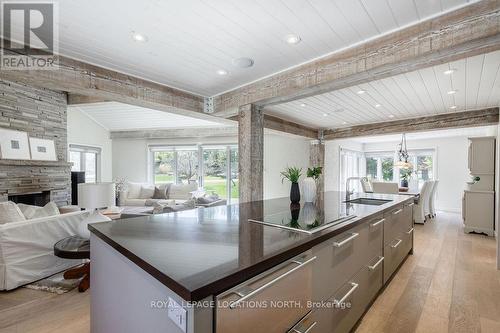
(75, 247)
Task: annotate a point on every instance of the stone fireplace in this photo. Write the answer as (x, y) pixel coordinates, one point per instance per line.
(43, 114)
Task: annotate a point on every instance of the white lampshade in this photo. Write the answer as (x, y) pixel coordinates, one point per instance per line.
(98, 195)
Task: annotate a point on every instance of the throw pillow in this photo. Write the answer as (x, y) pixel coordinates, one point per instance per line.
(206, 200)
(9, 212)
(134, 190)
(161, 191)
(35, 212)
(147, 192)
(182, 191)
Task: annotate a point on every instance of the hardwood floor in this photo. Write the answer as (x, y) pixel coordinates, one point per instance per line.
(449, 284)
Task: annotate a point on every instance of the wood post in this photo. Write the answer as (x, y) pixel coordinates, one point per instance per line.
(251, 153)
(317, 158)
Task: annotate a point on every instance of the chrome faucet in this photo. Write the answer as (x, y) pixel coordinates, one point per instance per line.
(347, 191)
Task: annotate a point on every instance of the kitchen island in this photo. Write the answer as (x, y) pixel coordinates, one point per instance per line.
(263, 266)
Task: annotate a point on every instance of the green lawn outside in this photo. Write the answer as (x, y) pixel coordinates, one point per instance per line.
(212, 183)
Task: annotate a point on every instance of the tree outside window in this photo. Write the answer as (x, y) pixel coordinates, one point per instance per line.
(388, 168)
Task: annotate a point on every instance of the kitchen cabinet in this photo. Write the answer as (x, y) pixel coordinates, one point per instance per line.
(478, 211)
(481, 156)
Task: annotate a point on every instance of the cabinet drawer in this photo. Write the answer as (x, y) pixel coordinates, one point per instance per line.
(395, 251)
(407, 217)
(290, 283)
(352, 299)
(308, 324)
(392, 223)
(341, 257)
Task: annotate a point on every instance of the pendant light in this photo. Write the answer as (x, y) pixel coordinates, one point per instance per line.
(403, 155)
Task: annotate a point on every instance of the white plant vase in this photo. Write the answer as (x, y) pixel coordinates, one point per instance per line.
(309, 189)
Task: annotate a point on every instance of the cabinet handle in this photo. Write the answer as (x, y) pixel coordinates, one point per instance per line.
(307, 330)
(374, 224)
(397, 212)
(354, 286)
(374, 266)
(270, 283)
(347, 240)
(397, 244)
(411, 204)
(410, 231)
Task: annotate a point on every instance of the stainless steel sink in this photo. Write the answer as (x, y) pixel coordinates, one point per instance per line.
(368, 201)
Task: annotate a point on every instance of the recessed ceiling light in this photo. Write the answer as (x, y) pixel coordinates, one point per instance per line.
(139, 37)
(377, 105)
(391, 116)
(449, 71)
(303, 104)
(243, 62)
(292, 39)
(451, 92)
(453, 107)
(344, 123)
(360, 92)
(222, 72)
(325, 114)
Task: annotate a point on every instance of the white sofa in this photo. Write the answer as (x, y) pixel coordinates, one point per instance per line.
(176, 194)
(27, 248)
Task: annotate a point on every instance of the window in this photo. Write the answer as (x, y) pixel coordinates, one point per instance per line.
(215, 168)
(87, 159)
(380, 166)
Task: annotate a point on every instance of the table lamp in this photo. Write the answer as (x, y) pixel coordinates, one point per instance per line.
(92, 197)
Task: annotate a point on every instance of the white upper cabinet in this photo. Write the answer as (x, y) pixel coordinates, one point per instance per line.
(482, 156)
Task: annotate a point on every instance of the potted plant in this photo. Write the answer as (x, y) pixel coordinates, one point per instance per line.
(292, 174)
(310, 183)
(405, 177)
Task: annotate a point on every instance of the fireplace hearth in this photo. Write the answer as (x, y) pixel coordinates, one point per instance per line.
(34, 199)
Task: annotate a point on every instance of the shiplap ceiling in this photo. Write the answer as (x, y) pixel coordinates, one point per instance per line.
(476, 81)
(189, 40)
(116, 116)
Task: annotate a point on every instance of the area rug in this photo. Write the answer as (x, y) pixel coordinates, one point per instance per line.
(54, 284)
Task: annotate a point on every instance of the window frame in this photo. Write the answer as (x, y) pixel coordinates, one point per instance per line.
(199, 147)
(83, 149)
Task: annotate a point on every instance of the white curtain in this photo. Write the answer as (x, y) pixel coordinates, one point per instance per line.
(352, 164)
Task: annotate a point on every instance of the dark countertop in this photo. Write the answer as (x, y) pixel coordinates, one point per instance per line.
(200, 252)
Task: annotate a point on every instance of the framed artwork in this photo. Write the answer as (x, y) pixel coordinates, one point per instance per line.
(42, 150)
(14, 145)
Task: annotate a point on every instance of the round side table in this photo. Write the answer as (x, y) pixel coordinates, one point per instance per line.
(75, 247)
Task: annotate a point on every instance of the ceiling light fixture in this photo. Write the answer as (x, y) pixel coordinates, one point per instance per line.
(344, 123)
(452, 92)
(303, 104)
(325, 114)
(292, 39)
(243, 62)
(360, 92)
(391, 116)
(453, 107)
(139, 37)
(449, 71)
(377, 105)
(222, 72)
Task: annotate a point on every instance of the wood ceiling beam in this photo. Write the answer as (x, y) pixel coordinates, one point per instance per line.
(77, 77)
(76, 99)
(285, 126)
(469, 31)
(463, 119)
(278, 124)
(176, 133)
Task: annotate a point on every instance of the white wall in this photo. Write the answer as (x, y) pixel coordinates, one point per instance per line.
(82, 130)
(130, 157)
(280, 152)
